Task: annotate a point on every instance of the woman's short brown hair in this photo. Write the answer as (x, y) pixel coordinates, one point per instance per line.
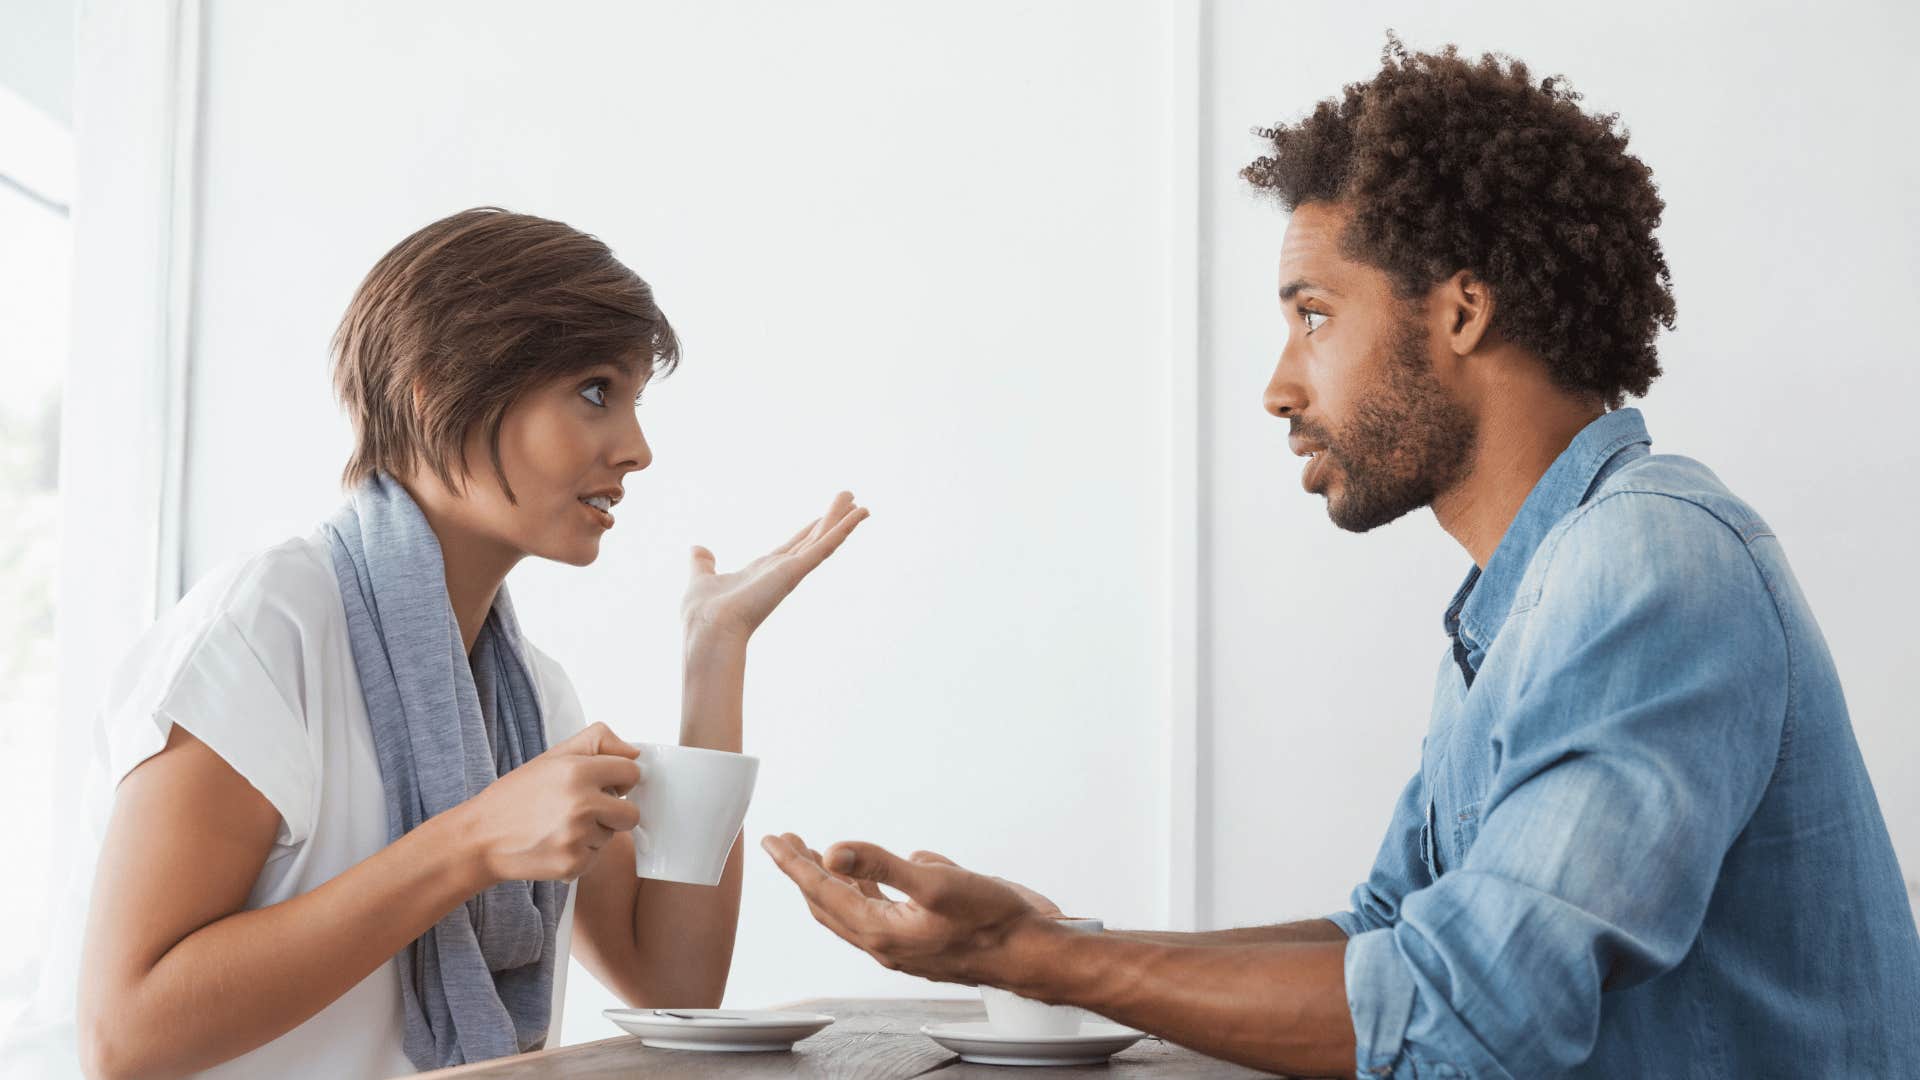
(467, 314)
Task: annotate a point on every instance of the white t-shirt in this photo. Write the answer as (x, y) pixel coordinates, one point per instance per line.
(255, 662)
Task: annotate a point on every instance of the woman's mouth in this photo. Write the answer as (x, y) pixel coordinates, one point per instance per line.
(598, 505)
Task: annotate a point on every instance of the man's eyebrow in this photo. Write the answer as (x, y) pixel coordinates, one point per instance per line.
(1293, 288)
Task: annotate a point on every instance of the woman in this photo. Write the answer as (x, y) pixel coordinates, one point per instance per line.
(360, 821)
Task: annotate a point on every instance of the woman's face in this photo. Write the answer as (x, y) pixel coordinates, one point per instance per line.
(561, 444)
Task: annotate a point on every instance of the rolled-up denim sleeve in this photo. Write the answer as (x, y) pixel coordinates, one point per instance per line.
(1398, 869)
(1643, 693)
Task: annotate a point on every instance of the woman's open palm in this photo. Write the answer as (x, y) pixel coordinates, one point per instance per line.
(738, 602)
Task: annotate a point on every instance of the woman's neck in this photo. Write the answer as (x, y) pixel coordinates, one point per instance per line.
(474, 573)
(475, 562)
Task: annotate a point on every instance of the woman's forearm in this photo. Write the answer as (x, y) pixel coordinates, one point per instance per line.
(688, 930)
(712, 688)
(246, 979)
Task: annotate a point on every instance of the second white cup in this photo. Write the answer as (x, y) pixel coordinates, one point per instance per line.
(1011, 1014)
(692, 802)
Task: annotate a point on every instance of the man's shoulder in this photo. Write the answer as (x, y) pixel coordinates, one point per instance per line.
(1660, 520)
(1676, 492)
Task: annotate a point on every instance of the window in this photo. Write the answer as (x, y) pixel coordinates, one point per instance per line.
(36, 171)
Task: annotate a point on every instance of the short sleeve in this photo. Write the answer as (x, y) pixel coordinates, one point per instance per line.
(559, 703)
(212, 681)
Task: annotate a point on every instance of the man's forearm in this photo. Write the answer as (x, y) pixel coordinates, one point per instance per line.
(1279, 1005)
(1308, 930)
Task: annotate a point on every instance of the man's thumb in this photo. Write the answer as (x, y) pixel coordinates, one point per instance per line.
(871, 862)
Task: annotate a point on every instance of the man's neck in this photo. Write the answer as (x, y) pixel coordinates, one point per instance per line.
(1516, 445)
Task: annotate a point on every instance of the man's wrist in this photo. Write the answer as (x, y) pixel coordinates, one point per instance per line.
(1039, 959)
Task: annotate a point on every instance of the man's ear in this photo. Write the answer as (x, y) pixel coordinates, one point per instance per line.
(1466, 302)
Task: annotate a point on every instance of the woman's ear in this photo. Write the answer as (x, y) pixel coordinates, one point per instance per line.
(1467, 302)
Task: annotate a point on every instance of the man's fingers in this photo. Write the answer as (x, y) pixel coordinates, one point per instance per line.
(790, 855)
(932, 857)
(871, 862)
(821, 886)
(867, 888)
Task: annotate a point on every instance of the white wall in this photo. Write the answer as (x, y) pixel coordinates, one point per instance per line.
(912, 253)
(1792, 189)
(37, 53)
(924, 252)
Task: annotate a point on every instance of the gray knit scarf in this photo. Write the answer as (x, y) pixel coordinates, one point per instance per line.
(479, 984)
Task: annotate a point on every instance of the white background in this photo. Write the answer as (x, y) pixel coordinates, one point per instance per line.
(947, 256)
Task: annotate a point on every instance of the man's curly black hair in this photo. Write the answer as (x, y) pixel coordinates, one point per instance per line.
(1451, 164)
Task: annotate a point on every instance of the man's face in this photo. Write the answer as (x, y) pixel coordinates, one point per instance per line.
(1356, 382)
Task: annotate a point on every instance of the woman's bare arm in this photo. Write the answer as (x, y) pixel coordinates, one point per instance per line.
(659, 943)
(175, 976)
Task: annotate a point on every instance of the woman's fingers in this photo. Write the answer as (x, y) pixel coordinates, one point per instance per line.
(842, 503)
(795, 541)
(816, 553)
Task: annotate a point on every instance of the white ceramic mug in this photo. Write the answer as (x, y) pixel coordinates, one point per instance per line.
(1024, 1018)
(692, 802)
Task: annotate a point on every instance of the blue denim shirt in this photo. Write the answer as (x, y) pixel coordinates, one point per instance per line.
(1642, 842)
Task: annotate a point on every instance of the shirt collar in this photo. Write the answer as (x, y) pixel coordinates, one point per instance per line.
(1480, 606)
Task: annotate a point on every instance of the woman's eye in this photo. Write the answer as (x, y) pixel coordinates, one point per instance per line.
(1307, 317)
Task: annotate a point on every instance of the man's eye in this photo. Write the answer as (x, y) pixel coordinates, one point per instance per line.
(1307, 317)
(599, 388)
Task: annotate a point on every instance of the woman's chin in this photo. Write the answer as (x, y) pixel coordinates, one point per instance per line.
(578, 553)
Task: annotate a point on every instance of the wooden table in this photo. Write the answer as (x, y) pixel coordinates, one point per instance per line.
(871, 1039)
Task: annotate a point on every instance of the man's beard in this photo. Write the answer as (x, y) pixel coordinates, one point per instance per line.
(1407, 442)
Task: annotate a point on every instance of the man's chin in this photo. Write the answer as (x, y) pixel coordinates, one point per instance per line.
(1359, 516)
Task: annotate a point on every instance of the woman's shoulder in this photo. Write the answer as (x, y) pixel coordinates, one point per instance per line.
(276, 600)
(277, 596)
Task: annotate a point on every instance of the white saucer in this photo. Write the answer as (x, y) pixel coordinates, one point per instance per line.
(737, 1030)
(978, 1042)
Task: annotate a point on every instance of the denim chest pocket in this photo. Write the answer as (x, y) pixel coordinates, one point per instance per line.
(1428, 854)
(1447, 835)
(1466, 828)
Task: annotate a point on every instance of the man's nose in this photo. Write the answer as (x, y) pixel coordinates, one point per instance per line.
(1286, 396)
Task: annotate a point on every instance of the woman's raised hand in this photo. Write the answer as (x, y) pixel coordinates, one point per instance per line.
(737, 603)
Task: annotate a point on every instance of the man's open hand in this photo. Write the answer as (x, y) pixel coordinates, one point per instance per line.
(953, 926)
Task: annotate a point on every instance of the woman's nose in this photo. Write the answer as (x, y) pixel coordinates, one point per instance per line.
(635, 454)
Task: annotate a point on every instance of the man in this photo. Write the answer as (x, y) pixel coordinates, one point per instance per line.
(1642, 841)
